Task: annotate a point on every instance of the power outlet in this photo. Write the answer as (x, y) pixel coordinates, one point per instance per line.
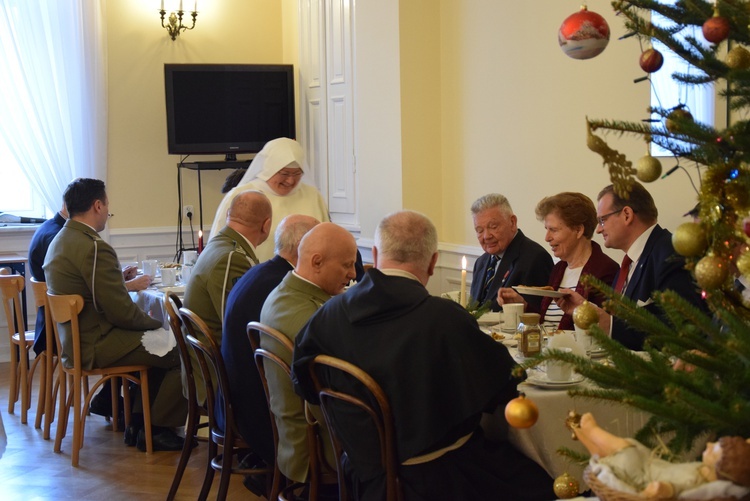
(187, 209)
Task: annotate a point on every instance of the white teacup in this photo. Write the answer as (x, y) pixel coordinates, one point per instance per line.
(511, 314)
(584, 340)
(186, 271)
(189, 257)
(168, 276)
(559, 371)
(150, 267)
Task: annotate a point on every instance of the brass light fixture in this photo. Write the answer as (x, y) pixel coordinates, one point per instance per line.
(174, 24)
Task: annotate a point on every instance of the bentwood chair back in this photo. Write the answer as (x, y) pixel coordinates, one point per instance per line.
(320, 471)
(333, 379)
(64, 309)
(172, 305)
(21, 341)
(201, 340)
(48, 361)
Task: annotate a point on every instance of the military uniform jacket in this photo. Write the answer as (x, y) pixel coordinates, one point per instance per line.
(80, 262)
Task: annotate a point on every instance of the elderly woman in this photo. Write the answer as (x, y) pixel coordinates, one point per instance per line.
(277, 171)
(570, 221)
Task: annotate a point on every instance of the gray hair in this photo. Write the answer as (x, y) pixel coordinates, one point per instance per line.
(290, 231)
(490, 201)
(407, 237)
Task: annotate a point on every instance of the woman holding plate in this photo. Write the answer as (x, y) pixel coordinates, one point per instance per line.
(570, 221)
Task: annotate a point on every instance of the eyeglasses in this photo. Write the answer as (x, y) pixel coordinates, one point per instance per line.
(290, 174)
(603, 219)
(109, 214)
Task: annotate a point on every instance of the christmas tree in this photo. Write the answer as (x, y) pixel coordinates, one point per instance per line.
(713, 395)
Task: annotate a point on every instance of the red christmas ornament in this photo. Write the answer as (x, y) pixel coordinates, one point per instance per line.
(583, 35)
(651, 60)
(716, 29)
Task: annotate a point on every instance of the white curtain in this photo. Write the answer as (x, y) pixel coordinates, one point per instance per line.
(53, 106)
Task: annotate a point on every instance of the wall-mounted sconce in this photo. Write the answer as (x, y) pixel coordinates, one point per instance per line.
(174, 22)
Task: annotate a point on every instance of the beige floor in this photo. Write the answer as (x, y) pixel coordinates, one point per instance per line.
(30, 470)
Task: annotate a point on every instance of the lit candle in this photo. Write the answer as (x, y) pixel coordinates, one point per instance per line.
(200, 241)
(462, 297)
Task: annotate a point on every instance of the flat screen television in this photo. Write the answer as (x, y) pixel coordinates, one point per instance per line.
(227, 108)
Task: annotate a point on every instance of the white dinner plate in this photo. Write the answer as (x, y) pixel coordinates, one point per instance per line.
(540, 380)
(533, 291)
(177, 289)
(491, 318)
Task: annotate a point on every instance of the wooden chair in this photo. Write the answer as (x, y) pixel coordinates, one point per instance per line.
(48, 360)
(211, 364)
(11, 287)
(172, 305)
(374, 404)
(65, 309)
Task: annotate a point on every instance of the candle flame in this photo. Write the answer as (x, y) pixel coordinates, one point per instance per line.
(200, 233)
(463, 263)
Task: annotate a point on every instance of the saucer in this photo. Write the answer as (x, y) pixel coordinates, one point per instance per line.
(540, 380)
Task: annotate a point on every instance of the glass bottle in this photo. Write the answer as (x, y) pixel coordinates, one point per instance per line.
(532, 334)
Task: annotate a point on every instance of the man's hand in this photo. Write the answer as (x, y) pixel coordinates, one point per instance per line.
(507, 295)
(138, 283)
(129, 272)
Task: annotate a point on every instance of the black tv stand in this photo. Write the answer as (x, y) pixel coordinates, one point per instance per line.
(200, 166)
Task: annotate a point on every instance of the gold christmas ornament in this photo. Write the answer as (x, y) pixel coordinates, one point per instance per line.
(689, 240)
(566, 486)
(673, 119)
(648, 169)
(743, 264)
(521, 412)
(585, 315)
(738, 58)
(711, 272)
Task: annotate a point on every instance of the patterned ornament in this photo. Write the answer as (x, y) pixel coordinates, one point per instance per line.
(716, 29)
(585, 315)
(566, 486)
(711, 272)
(583, 35)
(677, 116)
(738, 58)
(651, 60)
(648, 168)
(521, 412)
(689, 240)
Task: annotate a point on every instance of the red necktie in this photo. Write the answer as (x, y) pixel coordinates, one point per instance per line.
(622, 277)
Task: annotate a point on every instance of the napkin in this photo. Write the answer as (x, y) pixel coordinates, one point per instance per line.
(158, 342)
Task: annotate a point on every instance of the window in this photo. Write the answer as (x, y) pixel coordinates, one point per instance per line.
(667, 93)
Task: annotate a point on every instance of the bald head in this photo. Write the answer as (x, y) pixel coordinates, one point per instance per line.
(406, 240)
(250, 215)
(327, 254)
(289, 233)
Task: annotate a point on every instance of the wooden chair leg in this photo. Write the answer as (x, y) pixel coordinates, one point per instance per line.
(13, 394)
(24, 377)
(191, 428)
(62, 411)
(208, 478)
(115, 397)
(77, 418)
(49, 395)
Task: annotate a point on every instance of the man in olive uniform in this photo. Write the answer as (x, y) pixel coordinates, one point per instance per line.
(111, 325)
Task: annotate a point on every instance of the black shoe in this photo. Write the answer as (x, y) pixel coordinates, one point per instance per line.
(255, 484)
(101, 405)
(131, 435)
(163, 440)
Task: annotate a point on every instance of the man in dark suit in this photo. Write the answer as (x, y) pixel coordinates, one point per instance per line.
(243, 305)
(510, 257)
(650, 262)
